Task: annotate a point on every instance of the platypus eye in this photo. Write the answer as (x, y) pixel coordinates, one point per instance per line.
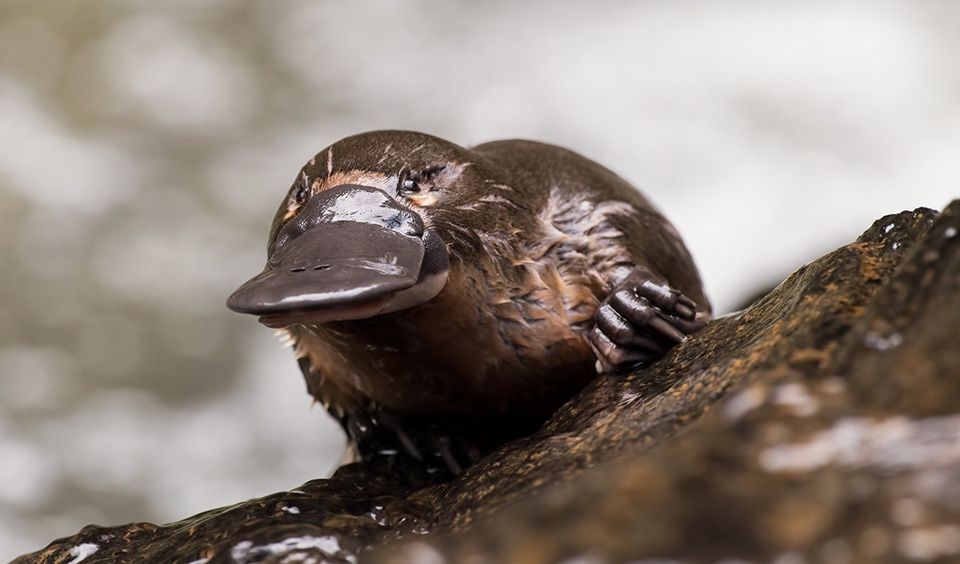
(409, 182)
(300, 195)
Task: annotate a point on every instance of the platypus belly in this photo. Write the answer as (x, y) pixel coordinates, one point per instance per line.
(430, 288)
(448, 358)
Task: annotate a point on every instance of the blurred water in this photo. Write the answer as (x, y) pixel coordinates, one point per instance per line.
(145, 145)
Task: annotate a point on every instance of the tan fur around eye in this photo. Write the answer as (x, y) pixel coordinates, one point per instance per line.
(423, 200)
(362, 177)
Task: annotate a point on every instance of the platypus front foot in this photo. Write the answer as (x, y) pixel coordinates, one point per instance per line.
(640, 320)
(378, 432)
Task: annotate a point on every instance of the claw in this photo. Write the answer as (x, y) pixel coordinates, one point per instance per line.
(611, 356)
(380, 432)
(445, 449)
(684, 311)
(601, 342)
(396, 427)
(665, 329)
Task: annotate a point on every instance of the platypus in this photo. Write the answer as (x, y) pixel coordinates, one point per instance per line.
(441, 300)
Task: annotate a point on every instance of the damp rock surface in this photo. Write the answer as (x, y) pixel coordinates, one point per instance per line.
(821, 424)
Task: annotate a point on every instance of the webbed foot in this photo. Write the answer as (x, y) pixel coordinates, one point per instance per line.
(640, 320)
(378, 432)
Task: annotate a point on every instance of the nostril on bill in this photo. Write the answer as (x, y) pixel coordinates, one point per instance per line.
(301, 268)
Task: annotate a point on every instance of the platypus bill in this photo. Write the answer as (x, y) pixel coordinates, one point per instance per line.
(442, 300)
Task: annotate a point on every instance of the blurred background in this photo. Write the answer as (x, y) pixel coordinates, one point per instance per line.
(144, 147)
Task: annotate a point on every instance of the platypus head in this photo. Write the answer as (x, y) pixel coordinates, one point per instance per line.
(360, 232)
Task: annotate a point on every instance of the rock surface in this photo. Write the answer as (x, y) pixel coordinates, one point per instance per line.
(820, 424)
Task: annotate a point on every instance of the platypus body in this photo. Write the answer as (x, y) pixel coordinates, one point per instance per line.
(442, 299)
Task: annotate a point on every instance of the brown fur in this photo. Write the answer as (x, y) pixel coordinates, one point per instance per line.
(537, 236)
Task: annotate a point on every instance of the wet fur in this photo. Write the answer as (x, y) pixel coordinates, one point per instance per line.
(537, 237)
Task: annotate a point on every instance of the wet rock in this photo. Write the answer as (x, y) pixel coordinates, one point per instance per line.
(820, 424)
